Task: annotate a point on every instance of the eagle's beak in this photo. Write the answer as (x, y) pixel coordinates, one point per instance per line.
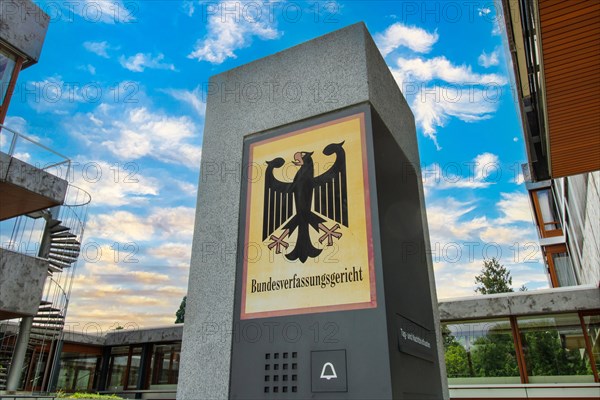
(298, 159)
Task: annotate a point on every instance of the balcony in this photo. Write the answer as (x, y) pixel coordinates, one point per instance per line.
(29, 175)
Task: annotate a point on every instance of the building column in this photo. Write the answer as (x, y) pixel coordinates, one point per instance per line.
(14, 374)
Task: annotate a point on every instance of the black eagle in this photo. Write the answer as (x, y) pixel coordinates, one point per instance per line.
(305, 201)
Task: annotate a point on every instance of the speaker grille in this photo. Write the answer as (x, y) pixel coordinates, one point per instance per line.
(281, 372)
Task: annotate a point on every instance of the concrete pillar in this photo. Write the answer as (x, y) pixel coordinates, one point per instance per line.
(310, 82)
(14, 374)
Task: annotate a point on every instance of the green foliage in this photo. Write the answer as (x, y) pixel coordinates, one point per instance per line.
(545, 355)
(92, 396)
(494, 355)
(457, 364)
(494, 278)
(180, 314)
(489, 356)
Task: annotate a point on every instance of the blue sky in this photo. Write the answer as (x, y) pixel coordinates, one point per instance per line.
(121, 86)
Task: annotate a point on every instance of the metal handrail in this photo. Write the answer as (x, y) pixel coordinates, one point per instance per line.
(17, 136)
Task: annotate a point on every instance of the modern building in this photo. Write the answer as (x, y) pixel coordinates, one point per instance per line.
(42, 219)
(522, 345)
(556, 58)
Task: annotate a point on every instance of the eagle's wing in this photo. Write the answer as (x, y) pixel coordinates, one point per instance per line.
(279, 200)
(330, 192)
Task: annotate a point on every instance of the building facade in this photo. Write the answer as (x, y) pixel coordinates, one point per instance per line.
(522, 345)
(554, 51)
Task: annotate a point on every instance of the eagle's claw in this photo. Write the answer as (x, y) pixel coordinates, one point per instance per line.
(279, 242)
(329, 234)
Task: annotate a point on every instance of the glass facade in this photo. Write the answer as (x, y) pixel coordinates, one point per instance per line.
(117, 367)
(592, 323)
(546, 214)
(564, 269)
(78, 371)
(554, 349)
(480, 352)
(165, 364)
(7, 66)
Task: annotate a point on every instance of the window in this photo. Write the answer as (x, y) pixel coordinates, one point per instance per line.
(78, 371)
(592, 324)
(117, 368)
(546, 214)
(165, 364)
(124, 368)
(7, 66)
(480, 352)
(560, 266)
(135, 365)
(554, 349)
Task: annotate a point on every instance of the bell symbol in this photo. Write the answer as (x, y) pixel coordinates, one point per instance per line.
(328, 371)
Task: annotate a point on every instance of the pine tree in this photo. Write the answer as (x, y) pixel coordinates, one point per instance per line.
(494, 278)
(180, 314)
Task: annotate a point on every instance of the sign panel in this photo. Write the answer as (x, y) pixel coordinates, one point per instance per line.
(308, 245)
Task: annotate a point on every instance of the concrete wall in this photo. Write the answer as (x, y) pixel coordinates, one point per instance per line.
(147, 335)
(22, 283)
(591, 232)
(547, 301)
(23, 27)
(26, 188)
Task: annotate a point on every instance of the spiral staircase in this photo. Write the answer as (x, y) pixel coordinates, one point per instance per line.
(59, 245)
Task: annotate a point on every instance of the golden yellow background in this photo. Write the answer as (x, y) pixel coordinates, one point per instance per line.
(351, 250)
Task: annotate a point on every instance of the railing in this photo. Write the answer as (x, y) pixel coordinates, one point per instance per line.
(31, 151)
(29, 233)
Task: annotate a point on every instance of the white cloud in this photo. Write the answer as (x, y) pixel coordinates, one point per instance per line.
(98, 48)
(448, 221)
(125, 226)
(515, 207)
(174, 253)
(173, 222)
(434, 106)
(18, 124)
(89, 68)
(188, 7)
(483, 11)
(193, 98)
(141, 61)
(105, 11)
(425, 70)
(137, 132)
(489, 60)
(120, 226)
(400, 35)
(226, 34)
(481, 172)
(114, 184)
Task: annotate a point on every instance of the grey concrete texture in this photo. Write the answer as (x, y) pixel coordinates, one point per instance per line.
(146, 335)
(338, 70)
(22, 282)
(29, 177)
(23, 27)
(547, 301)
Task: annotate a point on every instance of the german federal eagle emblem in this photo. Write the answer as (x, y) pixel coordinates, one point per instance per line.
(308, 201)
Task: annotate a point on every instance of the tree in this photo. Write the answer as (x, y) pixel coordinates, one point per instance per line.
(494, 278)
(180, 314)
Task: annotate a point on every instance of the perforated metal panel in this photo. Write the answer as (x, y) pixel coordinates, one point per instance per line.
(281, 373)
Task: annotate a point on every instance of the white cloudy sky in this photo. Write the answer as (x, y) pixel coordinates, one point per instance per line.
(121, 87)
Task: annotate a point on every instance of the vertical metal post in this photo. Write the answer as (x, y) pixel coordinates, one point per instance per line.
(14, 374)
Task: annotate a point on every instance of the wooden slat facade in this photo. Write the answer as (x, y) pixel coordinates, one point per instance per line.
(570, 33)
